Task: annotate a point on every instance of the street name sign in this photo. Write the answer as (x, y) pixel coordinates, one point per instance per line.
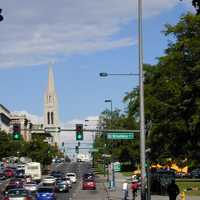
(120, 136)
(94, 150)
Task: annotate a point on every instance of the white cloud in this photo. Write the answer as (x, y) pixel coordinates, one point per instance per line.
(34, 118)
(34, 32)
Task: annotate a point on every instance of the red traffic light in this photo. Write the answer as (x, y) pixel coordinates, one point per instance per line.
(79, 127)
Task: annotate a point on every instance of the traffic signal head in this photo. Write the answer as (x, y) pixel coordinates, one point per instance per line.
(77, 149)
(79, 131)
(1, 17)
(16, 132)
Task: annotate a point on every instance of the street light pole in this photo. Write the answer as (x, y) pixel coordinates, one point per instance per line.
(111, 110)
(141, 86)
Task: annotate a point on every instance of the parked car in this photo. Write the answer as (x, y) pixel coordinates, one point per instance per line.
(89, 184)
(195, 173)
(18, 194)
(46, 193)
(49, 180)
(72, 177)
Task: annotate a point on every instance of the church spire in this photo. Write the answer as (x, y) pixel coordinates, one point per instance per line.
(51, 87)
(51, 106)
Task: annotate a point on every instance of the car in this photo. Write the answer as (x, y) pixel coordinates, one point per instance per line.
(48, 180)
(9, 173)
(195, 173)
(72, 177)
(88, 175)
(61, 186)
(20, 173)
(46, 193)
(57, 174)
(89, 184)
(66, 180)
(18, 194)
(16, 181)
(31, 186)
(2, 176)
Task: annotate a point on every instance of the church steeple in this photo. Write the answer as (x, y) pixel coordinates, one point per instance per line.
(51, 87)
(50, 106)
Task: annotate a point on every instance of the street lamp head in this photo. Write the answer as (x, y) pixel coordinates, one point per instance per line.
(103, 74)
(108, 100)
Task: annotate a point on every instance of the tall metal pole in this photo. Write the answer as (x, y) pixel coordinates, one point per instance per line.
(141, 85)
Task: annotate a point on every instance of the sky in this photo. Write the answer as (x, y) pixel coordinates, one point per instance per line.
(80, 39)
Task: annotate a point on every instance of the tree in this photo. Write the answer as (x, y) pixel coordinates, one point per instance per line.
(172, 90)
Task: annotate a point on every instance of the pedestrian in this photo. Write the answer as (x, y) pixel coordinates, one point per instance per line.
(173, 190)
(134, 188)
(125, 190)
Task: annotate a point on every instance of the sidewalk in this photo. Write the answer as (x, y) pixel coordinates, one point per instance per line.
(116, 194)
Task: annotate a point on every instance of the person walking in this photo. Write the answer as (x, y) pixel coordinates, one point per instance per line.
(173, 190)
(134, 188)
(125, 190)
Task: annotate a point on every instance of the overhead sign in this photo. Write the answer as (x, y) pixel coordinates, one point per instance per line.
(120, 136)
(94, 150)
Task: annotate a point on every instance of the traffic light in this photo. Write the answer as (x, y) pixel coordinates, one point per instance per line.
(1, 17)
(16, 132)
(77, 149)
(79, 131)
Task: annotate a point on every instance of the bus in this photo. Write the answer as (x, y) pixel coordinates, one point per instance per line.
(33, 169)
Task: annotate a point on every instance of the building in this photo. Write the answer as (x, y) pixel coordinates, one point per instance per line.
(5, 118)
(51, 121)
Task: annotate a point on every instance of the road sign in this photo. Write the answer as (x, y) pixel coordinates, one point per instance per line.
(120, 136)
(94, 150)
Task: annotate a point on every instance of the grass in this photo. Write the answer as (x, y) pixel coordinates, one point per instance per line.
(191, 186)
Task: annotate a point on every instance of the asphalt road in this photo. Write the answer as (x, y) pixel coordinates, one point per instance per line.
(76, 192)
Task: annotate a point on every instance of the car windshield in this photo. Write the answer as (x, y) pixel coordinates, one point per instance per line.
(45, 190)
(13, 193)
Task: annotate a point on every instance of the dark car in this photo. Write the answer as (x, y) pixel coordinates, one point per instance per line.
(57, 174)
(2, 176)
(20, 173)
(195, 173)
(10, 187)
(46, 193)
(89, 175)
(18, 194)
(17, 181)
(62, 186)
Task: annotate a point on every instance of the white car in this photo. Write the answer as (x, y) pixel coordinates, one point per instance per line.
(31, 186)
(49, 180)
(72, 177)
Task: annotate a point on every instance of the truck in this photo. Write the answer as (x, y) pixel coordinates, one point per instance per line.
(33, 169)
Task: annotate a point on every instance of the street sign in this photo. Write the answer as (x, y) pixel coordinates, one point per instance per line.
(94, 150)
(120, 136)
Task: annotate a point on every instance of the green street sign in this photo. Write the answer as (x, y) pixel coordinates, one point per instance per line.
(117, 167)
(94, 150)
(120, 136)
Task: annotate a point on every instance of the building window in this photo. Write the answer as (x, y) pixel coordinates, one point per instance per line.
(48, 117)
(52, 119)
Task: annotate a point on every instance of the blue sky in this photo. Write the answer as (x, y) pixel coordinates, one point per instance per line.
(81, 38)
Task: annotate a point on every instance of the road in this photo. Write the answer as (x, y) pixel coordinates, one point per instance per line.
(76, 193)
